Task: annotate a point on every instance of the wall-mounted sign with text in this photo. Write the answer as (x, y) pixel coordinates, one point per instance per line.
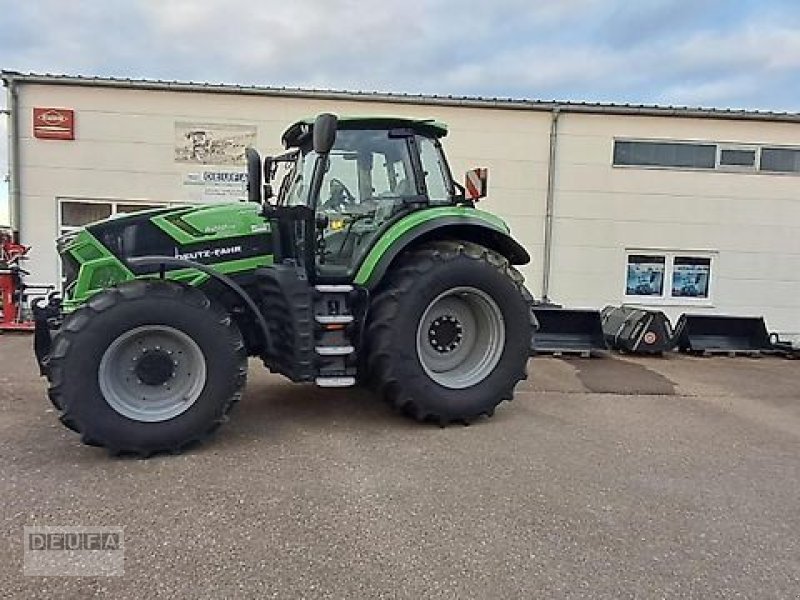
(216, 186)
(54, 123)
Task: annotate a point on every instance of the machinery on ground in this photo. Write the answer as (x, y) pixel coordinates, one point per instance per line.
(367, 264)
(15, 306)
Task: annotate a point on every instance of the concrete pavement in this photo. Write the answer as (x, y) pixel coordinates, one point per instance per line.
(604, 478)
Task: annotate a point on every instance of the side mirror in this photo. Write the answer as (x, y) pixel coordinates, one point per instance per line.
(477, 184)
(253, 175)
(324, 133)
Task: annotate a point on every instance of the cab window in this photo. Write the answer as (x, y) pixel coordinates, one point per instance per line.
(435, 171)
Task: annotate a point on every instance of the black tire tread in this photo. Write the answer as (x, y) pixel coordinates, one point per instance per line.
(76, 322)
(386, 305)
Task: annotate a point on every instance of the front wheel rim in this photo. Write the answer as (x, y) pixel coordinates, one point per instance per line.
(152, 373)
(461, 337)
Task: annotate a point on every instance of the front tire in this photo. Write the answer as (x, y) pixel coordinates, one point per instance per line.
(147, 367)
(450, 332)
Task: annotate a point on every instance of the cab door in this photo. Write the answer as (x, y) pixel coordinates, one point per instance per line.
(369, 181)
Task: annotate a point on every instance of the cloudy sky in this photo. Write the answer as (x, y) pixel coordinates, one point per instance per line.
(722, 53)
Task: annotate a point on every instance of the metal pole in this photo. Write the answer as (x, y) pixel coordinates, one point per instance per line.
(13, 157)
(549, 203)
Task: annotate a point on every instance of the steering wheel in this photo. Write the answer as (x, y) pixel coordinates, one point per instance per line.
(340, 197)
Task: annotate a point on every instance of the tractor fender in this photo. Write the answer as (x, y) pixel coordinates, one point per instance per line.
(457, 223)
(170, 261)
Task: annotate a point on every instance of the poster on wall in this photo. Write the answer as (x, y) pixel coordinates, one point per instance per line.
(645, 275)
(690, 276)
(212, 143)
(216, 186)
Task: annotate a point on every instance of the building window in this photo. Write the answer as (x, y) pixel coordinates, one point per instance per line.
(780, 160)
(711, 156)
(669, 277)
(690, 276)
(682, 155)
(645, 275)
(78, 214)
(74, 214)
(737, 158)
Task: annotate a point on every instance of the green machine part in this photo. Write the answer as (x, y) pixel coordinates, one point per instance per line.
(91, 266)
(466, 222)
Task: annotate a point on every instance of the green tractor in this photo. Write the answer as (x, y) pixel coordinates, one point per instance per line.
(367, 263)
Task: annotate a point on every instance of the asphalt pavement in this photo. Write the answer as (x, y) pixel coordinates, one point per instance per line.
(613, 477)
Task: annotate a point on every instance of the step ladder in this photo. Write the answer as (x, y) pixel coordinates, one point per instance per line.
(336, 352)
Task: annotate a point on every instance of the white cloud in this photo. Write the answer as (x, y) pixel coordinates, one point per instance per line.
(714, 92)
(404, 46)
(527, 69)
(761, 45)
(712, 53)
(674, 51)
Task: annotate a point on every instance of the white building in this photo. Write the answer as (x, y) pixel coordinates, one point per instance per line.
(687, 210)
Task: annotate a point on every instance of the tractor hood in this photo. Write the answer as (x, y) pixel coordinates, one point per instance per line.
(228, 236)
(200, 233)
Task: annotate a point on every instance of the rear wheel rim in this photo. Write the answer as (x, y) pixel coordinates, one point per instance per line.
(152, 373)
(460, 337)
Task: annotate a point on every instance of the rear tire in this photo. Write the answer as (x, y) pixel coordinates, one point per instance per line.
(147, 367)
(450, 332)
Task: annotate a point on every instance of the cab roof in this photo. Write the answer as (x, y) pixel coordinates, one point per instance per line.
(296, 133)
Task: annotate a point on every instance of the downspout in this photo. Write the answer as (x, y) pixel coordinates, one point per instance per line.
(13, 156)
(549, 202)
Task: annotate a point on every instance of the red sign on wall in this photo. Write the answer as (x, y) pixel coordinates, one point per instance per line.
(54, 123)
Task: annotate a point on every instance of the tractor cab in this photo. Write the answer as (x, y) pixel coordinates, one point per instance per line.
(349, 179)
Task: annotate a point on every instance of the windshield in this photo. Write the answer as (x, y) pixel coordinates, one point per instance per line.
(364, 166)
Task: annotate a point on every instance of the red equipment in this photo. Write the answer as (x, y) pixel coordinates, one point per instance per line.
(12, 290)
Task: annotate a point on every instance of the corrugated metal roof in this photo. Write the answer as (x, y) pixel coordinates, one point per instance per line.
(403, 98)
